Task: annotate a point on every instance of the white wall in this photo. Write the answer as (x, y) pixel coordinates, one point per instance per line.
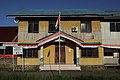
(107, 36)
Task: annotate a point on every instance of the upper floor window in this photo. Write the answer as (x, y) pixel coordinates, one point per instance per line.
(33, 26)
(114, 27)
(52, 27)
(90, 52)
(86, 27)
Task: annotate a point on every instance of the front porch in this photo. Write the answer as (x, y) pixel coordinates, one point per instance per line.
(69, 57)
(60, 67)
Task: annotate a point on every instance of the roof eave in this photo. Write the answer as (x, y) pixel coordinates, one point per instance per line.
(82, 15)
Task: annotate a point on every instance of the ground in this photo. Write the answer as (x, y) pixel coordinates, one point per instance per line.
(65, 75)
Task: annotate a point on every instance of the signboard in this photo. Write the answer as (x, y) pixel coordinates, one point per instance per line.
(116, 55)
(17, 50)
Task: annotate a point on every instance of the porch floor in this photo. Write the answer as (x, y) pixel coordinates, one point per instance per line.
(61, 67)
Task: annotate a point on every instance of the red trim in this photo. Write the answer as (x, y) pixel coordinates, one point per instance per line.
(7, 56)
(47, 38)
(77, 40)
(10, 42)
(27, 44)
(118, 45)
(59, 20)
(57, 34)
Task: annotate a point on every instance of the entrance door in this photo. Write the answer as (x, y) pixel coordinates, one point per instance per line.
(62, 53)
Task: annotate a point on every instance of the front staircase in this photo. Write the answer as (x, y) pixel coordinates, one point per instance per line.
(61, 67)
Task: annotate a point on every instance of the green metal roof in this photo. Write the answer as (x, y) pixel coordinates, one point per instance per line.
(114, 12)
(54, 12)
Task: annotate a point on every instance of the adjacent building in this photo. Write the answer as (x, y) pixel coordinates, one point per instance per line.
(8, 39)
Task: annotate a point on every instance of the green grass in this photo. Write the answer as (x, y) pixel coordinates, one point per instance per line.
(38, 76)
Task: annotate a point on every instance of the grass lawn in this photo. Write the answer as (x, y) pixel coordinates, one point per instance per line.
(65, 75)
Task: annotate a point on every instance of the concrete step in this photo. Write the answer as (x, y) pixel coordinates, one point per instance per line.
(61, 67)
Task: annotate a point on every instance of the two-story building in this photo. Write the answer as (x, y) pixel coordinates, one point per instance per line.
(83, 37)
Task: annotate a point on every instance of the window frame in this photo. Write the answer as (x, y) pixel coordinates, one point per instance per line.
(86, 27)
(89, 53)
(52, 25)
(108, 51)
(30, 53)
(33, 26)
(7, 51)
(114, 27)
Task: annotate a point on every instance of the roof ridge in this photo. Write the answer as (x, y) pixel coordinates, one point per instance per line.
(64, 12)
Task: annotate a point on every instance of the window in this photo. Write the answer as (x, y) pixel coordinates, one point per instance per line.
(1, 51)
(30, 53)
(89, 52)
(109, 51)
(86, 27)
(33, 26)
(9, 50)
(52, 28)
(0, 44)
(114, 27)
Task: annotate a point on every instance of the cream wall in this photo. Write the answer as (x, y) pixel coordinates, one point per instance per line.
(69, 53)
(93, 61)
(29, 61)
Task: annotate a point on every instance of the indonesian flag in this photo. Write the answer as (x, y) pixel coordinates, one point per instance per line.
(57, 22)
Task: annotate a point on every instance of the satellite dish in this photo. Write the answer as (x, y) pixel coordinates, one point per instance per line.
(16, 20)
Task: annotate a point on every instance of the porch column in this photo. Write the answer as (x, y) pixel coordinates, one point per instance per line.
(41, 55)
(77, 56)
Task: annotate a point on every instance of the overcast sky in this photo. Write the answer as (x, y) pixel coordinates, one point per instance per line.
(11, 6)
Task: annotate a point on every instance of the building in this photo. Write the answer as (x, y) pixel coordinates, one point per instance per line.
(85, 37)
(8, 39)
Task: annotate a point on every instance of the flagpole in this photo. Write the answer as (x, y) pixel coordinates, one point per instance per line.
(13, 58)
(59, 46)
(13, 62)
(22, 63)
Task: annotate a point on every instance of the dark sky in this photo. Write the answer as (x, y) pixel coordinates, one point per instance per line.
(11, 6)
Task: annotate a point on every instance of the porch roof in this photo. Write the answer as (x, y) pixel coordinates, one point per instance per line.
(56, 36)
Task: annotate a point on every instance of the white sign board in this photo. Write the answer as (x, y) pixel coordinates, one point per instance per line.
(116, 55)
(2, 47)
(17, 50)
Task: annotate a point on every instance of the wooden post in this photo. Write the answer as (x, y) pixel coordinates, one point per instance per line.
(77, 56)
(41, 56)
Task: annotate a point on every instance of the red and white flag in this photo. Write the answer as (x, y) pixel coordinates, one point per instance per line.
(57, 22)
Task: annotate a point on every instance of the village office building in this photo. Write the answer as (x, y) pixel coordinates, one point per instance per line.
(86, 38)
